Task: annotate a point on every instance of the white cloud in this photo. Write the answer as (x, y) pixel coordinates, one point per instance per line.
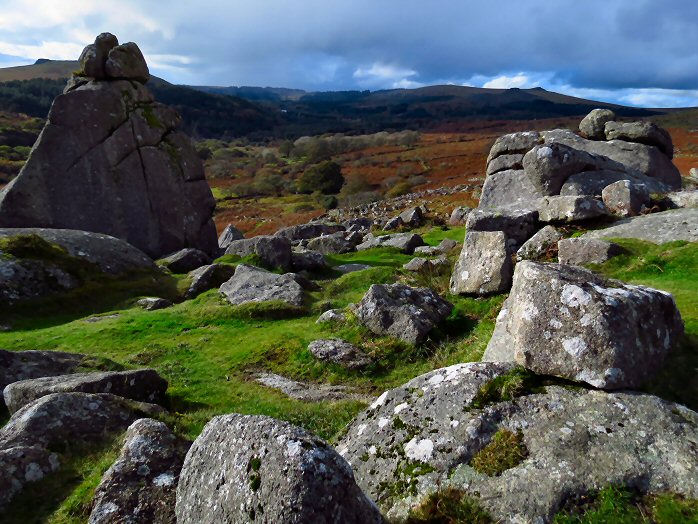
(52, 50)
(507, 82)
(386, 75)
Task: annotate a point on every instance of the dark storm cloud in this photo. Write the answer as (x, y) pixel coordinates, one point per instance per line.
(626, 47)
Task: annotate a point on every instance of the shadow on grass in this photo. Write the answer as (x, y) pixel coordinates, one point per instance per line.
(678, 379)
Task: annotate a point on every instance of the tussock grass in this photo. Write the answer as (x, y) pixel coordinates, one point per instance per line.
(449, 506)
(506, 450)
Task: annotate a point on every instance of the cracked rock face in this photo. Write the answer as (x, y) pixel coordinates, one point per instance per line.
(110, 160)
(568, 322)
(421, 437)
(254, 468)
(141, 485)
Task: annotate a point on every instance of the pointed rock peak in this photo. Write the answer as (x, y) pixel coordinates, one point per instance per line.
(107, 60)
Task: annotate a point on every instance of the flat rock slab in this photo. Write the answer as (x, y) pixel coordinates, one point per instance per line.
(425, 433)
(305, 391)
(340, 352)
(141, 486)
(252, 284)
(254, 468)
(667, 226)
(405, 242)
(185, 260)
(580, 251)
(23, 365)
(144, 385)
(351, 268)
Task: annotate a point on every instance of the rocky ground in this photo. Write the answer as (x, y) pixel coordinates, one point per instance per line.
(530, 360)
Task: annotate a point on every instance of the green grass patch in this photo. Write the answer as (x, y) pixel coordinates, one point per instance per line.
(435, 235)
(619, 505)
(449, 506)
(515, 383)
(506, 450)
(381, 256)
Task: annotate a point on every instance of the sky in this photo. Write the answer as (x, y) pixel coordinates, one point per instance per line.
(632, 52)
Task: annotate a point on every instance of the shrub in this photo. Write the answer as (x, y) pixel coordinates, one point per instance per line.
(399, 189)
(325, 177)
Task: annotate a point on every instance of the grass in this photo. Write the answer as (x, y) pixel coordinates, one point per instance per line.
(508, 386)
(449, 506)
(506, 450)
(620, 505)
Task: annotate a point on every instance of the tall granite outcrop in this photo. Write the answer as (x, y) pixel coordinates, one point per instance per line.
(110, 160)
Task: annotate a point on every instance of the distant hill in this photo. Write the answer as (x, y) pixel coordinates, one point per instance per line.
(31, 89)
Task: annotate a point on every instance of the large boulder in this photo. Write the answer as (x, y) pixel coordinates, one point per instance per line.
(309, 261)
(229, 234)
(592, 183)
(423, 437)
(249, 468)
(568, 322)
(126, 62)
(401, 311)
(20, 465)
(641, 132)
(207, 277)
(128, 173)
(570, 208)
(185, 260)
(144, 385)
(154, 303)
(459, 215)
(518, 223)
(592, 125)
(579, 251)
(484, 266)
(506, 188)
(333, 244)
(667, 226)
(504, 163)
(624, 198)
(547, 166)
(141, 486)
(513, 143)
(23, 365)
(94, 57)
(539, 244)
(271, 251)
(252, 284)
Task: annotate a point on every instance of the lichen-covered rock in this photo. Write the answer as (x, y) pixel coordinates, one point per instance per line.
(412, 217)
(309, 230)
(335, 243)
(94, 56)
(338, 351)
(273, 251)
(252, 284)
(21, 465)
(484, 266)
(23, 365)
(185, 260)
(405, 242)
(332, 315)
(667, 226)
(592, 125)
(512, 143)
(207, 277)
(126, 62)
(144, 385)
(679, 199)
(518, 224)
(141, 485)
(401, 311)
(570, 208)
(458, 216)
(592, 183)
(568, 322)
(154, 303)
(129, 173)
(504, 163)
(506, 188)
(248, 468)
(229, 234)
(421, 437)
(647, 133)
(580, 251)
(539, 244)
(624, 198)
(548, 166)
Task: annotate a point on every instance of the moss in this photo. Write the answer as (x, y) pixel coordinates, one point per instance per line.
(449, 506)
(255, 482)
(151, 118)
(516, 383)
(271, 310)
(505, 451)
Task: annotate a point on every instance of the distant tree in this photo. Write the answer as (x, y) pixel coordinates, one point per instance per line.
(325, 177)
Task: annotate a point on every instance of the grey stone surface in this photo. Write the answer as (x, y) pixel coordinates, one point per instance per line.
(507, 188)
(185, 260)
(549, 165)
(336, 243)
(126, 62)
(332, 315)
(570, 208)
(154, 303)
(252, 284)
(624, 198)
(361, 224)
(309, 230)
(504, 163)
(405, 242)
(129, 173)
(521, 142)
(643, 132)
(141, 486)
(567, 322)
(351, 268)
(393, 223)
(341, 352)
(518, 223)
(579, 251)
(484, 266)
(679, 199)
(412, 217)
(229, 234)
(675, 224)
(427, 251)
(401, 311)
(273, 251)
(593, 182)
(308, 261)
(144, 385)
(592, 125)
(458, 216)
(244, 468)
(538, 245)
(20, 465)
(307, 391)
(207, 277)
(425, 433)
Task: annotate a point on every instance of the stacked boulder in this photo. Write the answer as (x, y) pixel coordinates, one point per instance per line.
(110, 160)
(558, 177)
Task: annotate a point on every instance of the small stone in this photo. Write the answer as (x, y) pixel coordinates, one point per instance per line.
(154, 303)
(341, 352)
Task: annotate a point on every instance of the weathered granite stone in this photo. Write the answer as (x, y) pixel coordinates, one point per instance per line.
(23, 365)
(518, 224)
(185, 260)
(309, 230)
(141, 486)
(507, 188)
(593, 182)
(335, 243)
(549, 165)
(484, 266)
(570, 208)
(592, 125)
(229, 234)
(252, 284)
(643, 132)
(273, 251)
(341, 352)
(623, 198)
(545, 241)
(680, 199)
(308, 261)
(401, 311)
(20, 465)
(505, 162)
(244, 468)
(126, 62)
(579, 251)
(458, 216)
(568, 322)
(154, 303)
(667, 226)
(521, 142)
(332, 315)
(405, 242)
(207, 277)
